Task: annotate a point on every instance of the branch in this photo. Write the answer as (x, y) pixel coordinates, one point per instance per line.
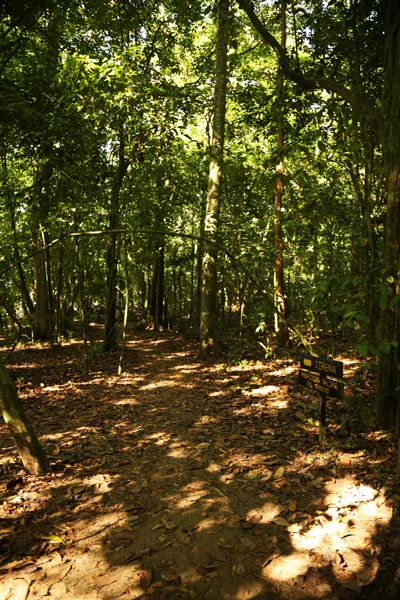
(130, 230)
(359, 103)
(126, 230)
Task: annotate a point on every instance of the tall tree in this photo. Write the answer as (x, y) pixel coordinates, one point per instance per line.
(110, 333)
(208, 312)
(281, 326)
(389, 326)
(385, 120)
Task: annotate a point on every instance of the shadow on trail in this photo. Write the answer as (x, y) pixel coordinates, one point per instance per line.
(182, 479)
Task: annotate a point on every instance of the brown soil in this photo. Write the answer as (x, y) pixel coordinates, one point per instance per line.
(189, 479)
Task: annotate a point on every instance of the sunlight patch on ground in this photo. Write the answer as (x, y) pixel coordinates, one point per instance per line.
(287, 567)
(156, 384)
(160, 438)
(274, 395)
(194, 492)
(191, 367)
(213, 467)
(207, 523)
(248, 591)
(126, 402)
(277, 403)
(216, 394)
(180, 453)
(205, 420)
(263, 391)
(340, 536)
(285, 371)
(264, 514)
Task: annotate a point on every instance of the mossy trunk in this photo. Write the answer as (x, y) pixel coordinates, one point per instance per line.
(209, 283)
(29, 448)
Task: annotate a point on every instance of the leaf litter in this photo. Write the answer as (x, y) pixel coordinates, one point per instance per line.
(188, 479)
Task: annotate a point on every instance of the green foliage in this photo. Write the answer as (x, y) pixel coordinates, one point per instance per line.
(76, 78)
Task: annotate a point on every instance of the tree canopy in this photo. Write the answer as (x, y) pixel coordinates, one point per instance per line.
(107, 125)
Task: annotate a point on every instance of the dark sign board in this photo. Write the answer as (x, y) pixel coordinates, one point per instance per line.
(321, 375)
(325, 366)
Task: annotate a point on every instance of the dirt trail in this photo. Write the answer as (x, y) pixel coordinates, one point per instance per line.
(185, 479)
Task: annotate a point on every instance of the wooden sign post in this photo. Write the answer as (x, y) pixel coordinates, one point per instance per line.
(325, 376)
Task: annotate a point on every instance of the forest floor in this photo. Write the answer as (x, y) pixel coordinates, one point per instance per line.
(195, 479)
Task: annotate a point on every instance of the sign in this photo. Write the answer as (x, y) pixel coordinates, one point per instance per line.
(322, 375)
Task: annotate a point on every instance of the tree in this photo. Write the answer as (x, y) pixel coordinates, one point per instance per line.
(281, 326)
(208, 313)
(389, 326)
(29, 448)
(385, 120)
(110, 334)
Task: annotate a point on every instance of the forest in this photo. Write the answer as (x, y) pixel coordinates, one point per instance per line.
(209, 181)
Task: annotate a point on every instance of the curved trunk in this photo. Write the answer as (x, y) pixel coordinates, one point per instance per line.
(29, 448)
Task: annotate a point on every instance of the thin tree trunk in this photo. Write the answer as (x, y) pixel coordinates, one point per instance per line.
(59, 291)
(157, 287)
(25, 295)
(281, 328)
(110, 332)
(42, 329)
(208, 313)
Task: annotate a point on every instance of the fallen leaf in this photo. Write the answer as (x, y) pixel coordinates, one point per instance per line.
(281, 521)
(255, 518)
(168, 523)
(53, 539)
(171, 576)
(248, 542)
(238, 569)
(280, 471)
(145, 578)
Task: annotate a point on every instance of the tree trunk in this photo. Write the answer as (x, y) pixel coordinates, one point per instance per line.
(281, 328)
(29, 448)
(25, 295)
(110, 324)
(157, 287)
(389, 327)
(42, 328)
(208, 311)
(386, 123)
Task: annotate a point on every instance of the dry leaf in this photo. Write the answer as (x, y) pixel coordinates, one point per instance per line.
(168, 523)
(279, 472)
(145, 578)
(248, 542)
(255, 518)
(53, 539)
(281, 521)
(171, 576)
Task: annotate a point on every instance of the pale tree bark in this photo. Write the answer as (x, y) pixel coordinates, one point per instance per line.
(29, 448)
(281, 327)
(209, 283)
